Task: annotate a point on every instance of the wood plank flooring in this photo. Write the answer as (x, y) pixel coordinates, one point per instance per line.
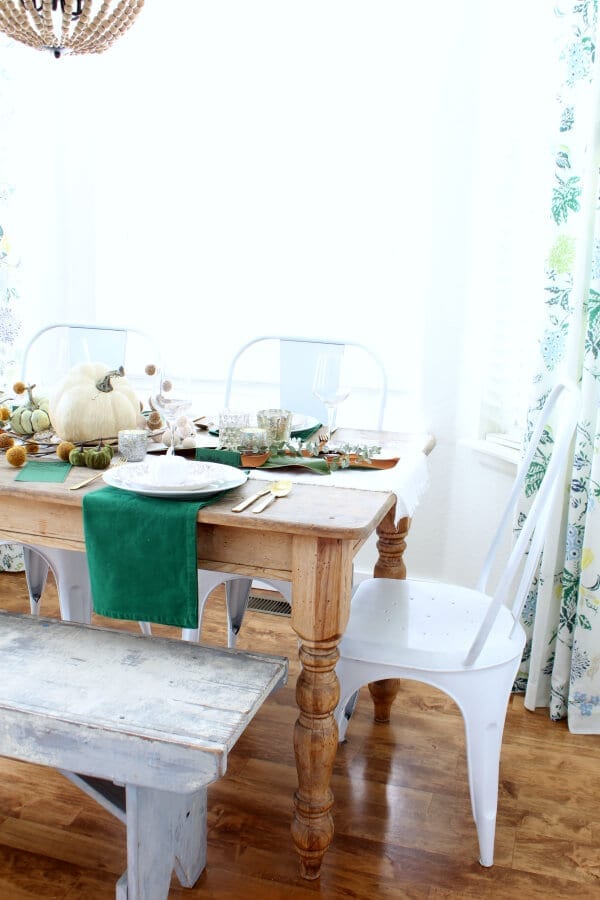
(402, 816)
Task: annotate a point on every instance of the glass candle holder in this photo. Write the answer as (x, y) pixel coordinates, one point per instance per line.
(132, 444)
(278, 425)
(253, 439)
(231, 423)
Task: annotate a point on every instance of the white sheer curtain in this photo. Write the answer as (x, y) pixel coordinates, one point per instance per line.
(230, 169)
(10, 317)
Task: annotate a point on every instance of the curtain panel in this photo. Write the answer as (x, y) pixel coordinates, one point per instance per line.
(561, 664)
(10, 326)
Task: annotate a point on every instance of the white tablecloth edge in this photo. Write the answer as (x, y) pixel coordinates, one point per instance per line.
(408, 480)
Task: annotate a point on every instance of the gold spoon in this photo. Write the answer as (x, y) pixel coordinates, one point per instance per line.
(278, 489)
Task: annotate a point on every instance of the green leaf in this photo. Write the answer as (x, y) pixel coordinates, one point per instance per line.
(319, 466)
(534, 478)
(565, 198)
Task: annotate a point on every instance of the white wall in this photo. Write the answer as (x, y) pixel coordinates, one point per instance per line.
(324, 215)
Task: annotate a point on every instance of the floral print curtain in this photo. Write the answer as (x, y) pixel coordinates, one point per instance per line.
(10, 326)
(561, 665)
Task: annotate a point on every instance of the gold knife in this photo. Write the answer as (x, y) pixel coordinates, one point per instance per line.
(250, 500)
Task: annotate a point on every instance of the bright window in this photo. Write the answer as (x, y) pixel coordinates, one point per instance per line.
(343, 169)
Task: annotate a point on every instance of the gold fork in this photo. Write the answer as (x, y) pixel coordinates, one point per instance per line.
(113, 465)
(323, 436)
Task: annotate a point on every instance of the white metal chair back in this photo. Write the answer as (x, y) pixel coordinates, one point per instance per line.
(278, 370)
(49, 355)
(56, 348)
(525, 555)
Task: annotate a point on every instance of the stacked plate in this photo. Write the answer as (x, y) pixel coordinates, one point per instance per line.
(173, 476)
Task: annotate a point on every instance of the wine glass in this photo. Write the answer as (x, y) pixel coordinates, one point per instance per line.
(173, 399)
(328, 386)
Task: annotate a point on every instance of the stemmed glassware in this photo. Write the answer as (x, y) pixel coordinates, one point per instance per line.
(173, 399)
(329, 386)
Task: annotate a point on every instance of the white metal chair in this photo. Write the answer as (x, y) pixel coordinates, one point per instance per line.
(467, 643)
(277, 371)
(54, 349)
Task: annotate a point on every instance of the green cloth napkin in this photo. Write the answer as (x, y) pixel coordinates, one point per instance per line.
(44, 470)
(226, 457)
(141, 554)
(305, 433)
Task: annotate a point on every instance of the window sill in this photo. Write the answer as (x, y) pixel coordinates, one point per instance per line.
(497, 451)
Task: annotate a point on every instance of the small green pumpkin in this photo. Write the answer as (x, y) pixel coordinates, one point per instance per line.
(98, 457)
(77, 457)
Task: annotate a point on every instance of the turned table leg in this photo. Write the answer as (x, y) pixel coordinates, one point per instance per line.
(322, 583)
(391, 545)
(315, 746)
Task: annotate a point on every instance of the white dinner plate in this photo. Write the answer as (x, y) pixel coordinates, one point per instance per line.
(204, 479)
(301, 423)
(168, 474)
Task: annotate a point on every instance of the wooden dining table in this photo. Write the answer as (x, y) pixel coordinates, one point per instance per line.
(311, 540)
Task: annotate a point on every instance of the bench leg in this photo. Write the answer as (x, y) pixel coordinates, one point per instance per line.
(190, 848)
(165, 831)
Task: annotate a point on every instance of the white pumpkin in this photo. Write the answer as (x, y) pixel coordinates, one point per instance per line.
(93, 402)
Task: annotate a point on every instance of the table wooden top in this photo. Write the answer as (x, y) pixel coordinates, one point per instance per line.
(331, 511)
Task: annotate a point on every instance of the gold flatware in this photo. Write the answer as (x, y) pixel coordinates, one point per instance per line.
(323, 436)
(277, 489)
(113, 465)
(250, 500)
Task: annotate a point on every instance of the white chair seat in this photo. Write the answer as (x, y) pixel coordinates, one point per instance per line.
(431, 624)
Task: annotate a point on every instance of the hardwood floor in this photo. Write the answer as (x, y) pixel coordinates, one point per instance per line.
(402, 816)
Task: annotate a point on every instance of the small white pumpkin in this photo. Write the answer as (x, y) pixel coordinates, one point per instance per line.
(93, 402)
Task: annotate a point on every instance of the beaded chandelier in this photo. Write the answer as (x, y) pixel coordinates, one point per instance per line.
(68, 26)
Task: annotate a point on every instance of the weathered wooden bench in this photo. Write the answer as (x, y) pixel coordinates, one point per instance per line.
(141, 724)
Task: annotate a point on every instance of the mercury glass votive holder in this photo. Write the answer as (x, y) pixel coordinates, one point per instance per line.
(278, 425)
(253, 439)
(231, 423)
(132, 444)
